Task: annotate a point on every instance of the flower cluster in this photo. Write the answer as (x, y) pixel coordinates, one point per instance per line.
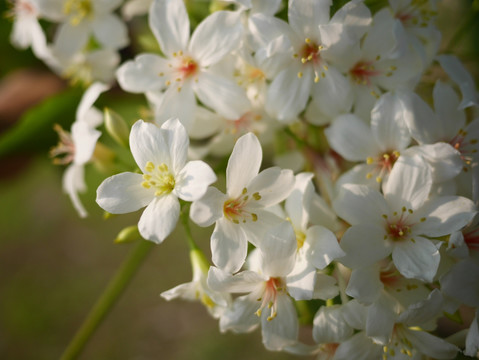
(367, 221)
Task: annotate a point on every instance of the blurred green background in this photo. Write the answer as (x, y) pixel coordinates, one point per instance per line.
(53, 265)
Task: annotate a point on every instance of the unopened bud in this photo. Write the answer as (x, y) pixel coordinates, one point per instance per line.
(116, 127)
(128, 234)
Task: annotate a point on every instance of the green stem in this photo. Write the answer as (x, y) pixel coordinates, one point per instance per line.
(184, 215)
(105, 303)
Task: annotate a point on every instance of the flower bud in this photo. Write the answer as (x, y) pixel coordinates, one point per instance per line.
(128, 234)
(116, 127)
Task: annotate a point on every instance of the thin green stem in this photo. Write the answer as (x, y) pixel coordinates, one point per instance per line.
(185, 214)
(106, 301)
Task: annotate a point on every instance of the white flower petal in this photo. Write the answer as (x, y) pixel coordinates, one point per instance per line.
(355, 314)
(147, 143)
(273, 185)
(288, 94)
(222, 95)
(450, 119)
(73, 182)
(159, 218)
(409, 183)
(333, 93)
(324, 246)
(431, 345)
(177, 104)
(358, 347)
(142, 74)
(304, 16)
(111, 32)
(300, 281)
(381, 318)
(472, 339)
(170, 24)
(283, 330)
(177, 141)
(365, 284)
(243, 282)
(325, 287)
(88, 99)
(420, 119)
(243, 164)
(444, 215)
(298, 202)
(462, 78)
(424, 310)
(85, 138)
(329, 325)
(215, 37)
(186, 291)
(207, 210)
(228, 246)
(193, 180)
(123, 193)
(388, 125)
(359, 204)
(418, 259)
(278, 250)
(445, 161)
(351, 138)
(240, 317)
(364, 245)
(70, 39)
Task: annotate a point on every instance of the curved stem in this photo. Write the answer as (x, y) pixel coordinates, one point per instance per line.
(106, 301)
(184, 215)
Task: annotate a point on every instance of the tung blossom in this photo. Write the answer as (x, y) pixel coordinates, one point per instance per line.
(401, 221)
(267, 300)
(161, 154)
(184, 71)
(240, 215)
(78, 147)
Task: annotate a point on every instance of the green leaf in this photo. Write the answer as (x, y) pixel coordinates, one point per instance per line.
(34, 131)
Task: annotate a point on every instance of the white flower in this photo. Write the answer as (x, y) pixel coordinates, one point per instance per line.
(83, 18)
(401, 221)
(267, 301)
(78, 147)
(302, 51)
(26, 29)
(215, 301)
(184, 71)
(240, 215)
(161, 154)
(317, 246)
(378, 145)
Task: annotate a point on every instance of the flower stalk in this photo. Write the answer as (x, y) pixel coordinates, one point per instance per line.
(107, 300)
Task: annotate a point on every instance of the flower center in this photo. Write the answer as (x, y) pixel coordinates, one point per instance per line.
(384, 164)
(78, 10)
(65, 147)
(270, 293)
(79, 73)
(466, 147)
(399, 227)
(184, 68)
(300, 238)
(235, 209)
(417, 13)
(399, 343)
(159, 178)
(310, 54)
